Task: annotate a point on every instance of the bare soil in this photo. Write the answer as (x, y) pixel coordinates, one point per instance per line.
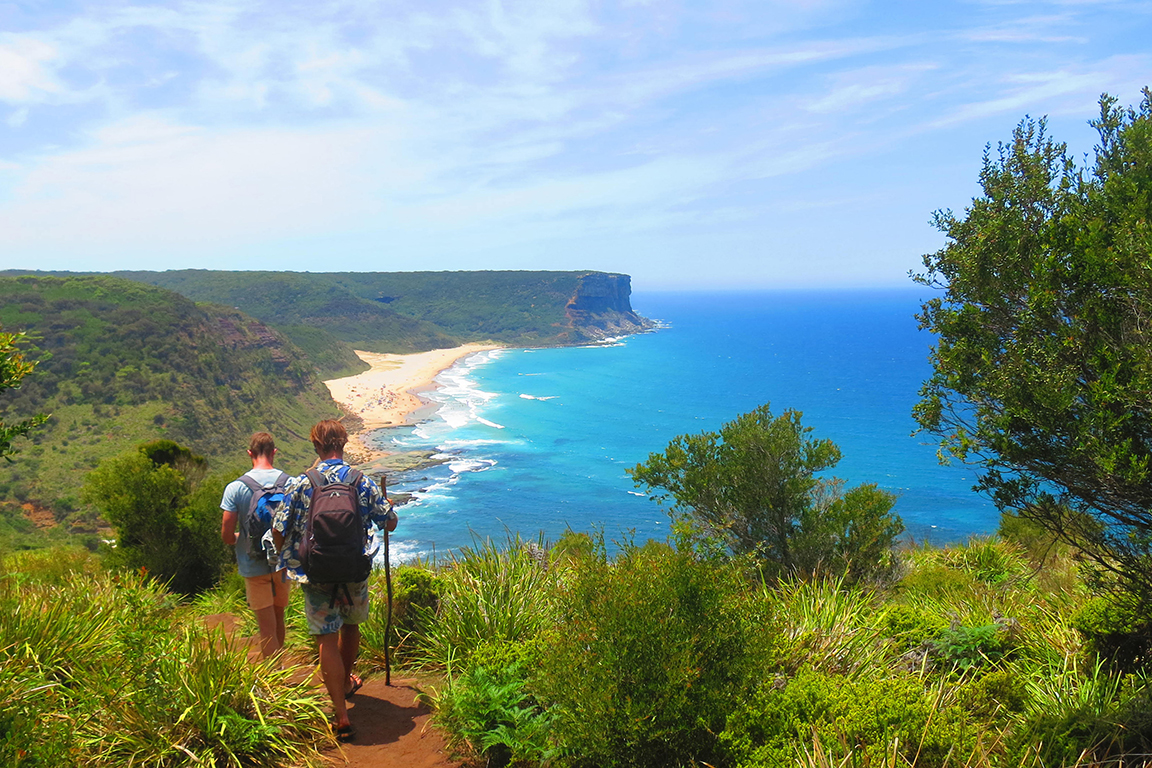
(392, 727)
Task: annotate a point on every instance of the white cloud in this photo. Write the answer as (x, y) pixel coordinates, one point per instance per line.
(1050, 92)
(150, 180)
(26, 69)
(457, 127)
(866, 85)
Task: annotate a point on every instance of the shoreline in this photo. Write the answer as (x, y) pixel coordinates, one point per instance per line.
(387, 394)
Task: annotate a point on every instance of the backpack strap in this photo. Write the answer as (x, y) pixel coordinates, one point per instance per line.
(256, 486)
(253, 484)
(336, 594)
(318, 479)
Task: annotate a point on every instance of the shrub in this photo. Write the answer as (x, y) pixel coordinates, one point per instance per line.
(911, 627)
(163, 522)
(1082, 716)
(964, 647)
(647, 654)
(996, 696)
(1116, 628)
(488, 711)
(875, 717)
(416, 593)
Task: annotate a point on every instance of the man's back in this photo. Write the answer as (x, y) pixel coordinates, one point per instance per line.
(237, 498)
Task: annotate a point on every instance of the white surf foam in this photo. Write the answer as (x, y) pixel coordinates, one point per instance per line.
(462, 465)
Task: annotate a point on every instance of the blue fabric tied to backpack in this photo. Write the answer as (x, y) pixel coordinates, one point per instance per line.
(258, 520)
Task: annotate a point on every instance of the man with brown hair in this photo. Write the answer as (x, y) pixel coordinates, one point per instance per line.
(266, 587)
(334, 611)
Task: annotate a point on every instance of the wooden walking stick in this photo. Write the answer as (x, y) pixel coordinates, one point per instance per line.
(388, 623)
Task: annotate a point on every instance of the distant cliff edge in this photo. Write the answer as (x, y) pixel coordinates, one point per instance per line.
(601, 307)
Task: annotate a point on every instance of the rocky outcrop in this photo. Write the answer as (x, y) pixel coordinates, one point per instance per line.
(601, 308)
(241, 332)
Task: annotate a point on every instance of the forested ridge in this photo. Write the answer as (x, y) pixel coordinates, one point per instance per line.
(394, 311)
(305, 306)
(122, 362)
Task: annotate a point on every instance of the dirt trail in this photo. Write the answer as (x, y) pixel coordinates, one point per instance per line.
(392, 729)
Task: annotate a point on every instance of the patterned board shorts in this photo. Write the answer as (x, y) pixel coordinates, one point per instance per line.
(326, 616)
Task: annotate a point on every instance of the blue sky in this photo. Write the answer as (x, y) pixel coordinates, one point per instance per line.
(714, 145)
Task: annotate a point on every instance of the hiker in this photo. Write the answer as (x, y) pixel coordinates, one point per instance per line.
(334, 605)
(266, 586)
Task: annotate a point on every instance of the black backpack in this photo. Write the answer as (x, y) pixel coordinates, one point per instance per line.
(259, 517)
(332, 551)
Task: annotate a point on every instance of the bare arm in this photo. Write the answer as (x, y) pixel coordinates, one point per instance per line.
(228, 527)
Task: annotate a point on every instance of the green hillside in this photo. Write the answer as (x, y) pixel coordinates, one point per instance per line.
(123, 363)
(394, 311)
(310, 309)
(327, 314)
(520, 307)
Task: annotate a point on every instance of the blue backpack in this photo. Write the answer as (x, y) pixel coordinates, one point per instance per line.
(259, 517)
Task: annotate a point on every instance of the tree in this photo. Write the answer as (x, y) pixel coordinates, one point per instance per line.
(165, 522)
(753, 486)
(13, 368)
(1043, 362)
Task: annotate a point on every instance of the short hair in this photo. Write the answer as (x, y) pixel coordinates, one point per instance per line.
(261, 444)
(328, 436)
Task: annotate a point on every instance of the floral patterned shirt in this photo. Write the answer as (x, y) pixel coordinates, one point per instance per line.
(291, 517)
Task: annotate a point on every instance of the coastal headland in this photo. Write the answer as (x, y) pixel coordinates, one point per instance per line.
(386, 394)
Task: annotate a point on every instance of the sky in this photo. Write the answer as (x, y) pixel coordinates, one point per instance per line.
(709, 145)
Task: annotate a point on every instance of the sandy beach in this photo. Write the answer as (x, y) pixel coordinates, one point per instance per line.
(384, 396)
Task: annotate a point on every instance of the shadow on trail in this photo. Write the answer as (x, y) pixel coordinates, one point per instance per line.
(380, 721)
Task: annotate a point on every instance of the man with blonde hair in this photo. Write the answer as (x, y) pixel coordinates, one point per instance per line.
(334, 610)
(266, 587)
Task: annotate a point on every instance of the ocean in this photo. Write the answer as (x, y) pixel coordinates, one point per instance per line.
(538, 440)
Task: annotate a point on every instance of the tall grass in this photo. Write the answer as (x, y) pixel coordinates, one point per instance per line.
(828, 625)
(492, 595)
(204, 703)
(109, 669)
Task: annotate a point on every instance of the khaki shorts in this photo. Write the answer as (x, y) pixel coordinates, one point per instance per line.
(326, 615)
(269, 590)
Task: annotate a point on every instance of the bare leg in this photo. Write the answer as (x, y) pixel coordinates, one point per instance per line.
(349, 650)
(280, 587)
(266, 622)
(332, 670)
(281, 627)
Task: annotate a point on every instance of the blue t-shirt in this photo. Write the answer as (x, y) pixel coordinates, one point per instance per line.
(237, 497)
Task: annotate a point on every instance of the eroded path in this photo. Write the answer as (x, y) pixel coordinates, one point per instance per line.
(392, 729)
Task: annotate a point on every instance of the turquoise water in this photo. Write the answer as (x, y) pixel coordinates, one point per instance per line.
(539, 440)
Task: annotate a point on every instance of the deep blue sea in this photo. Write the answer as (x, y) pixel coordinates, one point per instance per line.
(539, 439)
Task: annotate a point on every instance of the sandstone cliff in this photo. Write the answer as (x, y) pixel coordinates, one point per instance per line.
(601, 308)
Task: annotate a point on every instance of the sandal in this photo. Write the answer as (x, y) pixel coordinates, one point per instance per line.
(345, 733)
(357, 684)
